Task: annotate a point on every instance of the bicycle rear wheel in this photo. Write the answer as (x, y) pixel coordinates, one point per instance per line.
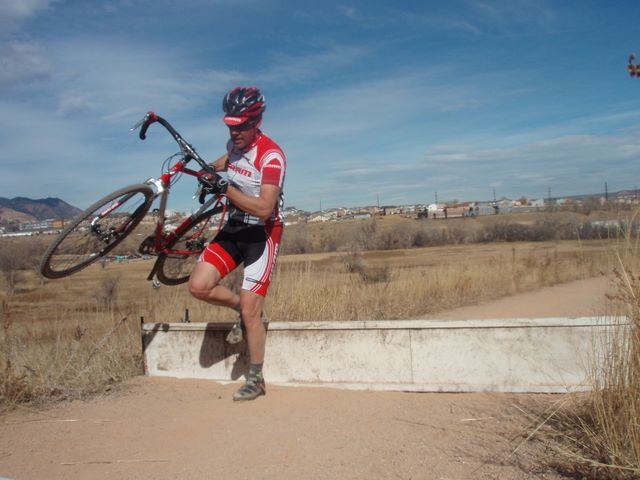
(175, 266)
(97, 231)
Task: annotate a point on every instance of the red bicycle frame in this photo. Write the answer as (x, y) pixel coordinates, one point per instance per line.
(162, 187)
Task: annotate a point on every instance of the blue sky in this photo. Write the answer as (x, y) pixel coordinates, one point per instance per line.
(369, 99)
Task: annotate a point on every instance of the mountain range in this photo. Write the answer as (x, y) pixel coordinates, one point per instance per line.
(25, 210)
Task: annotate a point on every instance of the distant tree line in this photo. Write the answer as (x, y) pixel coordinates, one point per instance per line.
(369, 235)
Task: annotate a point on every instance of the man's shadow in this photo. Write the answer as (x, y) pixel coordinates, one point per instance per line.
(215, 349)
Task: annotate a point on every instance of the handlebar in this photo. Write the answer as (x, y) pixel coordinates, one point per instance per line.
(188, 151)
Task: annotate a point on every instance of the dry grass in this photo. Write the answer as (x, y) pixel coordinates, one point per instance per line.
(63, 356)
(597, 435)
(413, 283)
(80, 335)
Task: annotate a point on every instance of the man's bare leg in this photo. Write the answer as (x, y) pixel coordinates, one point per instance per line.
(251, 305)
(204, 285)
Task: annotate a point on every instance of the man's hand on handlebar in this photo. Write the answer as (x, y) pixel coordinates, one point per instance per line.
(211, 183)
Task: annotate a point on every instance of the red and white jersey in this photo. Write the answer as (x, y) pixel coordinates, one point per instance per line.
(262, 162)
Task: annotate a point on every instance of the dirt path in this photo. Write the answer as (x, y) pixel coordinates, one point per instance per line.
(582, 298)
(158, 428)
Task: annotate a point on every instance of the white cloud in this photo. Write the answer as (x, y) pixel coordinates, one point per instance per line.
(108, 78)
(567, 162)
(510, 14)
(296, 68)
(71, 102)
(22, 61)
(14, 12)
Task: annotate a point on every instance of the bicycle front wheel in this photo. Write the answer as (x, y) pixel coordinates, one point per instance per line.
(174, 267)
(97, 231)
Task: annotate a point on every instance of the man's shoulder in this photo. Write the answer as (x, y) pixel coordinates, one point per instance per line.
(267, 144)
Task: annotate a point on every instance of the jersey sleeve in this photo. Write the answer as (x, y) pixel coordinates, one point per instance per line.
(273, 168)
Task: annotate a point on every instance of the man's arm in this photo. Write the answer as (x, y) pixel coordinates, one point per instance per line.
(221, 163)
(260, 206)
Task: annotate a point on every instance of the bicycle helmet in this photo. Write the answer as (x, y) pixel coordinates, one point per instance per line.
(243, 104)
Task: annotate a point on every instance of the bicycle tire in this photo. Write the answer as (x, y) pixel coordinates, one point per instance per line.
(175, 268)
(96, 231)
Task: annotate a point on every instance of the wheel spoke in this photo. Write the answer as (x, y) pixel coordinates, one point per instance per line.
(97, 231)
(177, 262)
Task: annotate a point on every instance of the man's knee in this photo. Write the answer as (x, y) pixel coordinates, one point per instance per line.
(251, 308)
(202, 281)
(198, 292)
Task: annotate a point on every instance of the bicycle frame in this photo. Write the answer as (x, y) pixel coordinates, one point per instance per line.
(162, 187)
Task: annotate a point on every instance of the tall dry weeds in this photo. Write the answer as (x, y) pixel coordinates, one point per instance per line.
(615, 402)
(598, 435)
(359, 287)
(62, 358)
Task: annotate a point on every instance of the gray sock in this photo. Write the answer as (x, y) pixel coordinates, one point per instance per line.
(255, 371)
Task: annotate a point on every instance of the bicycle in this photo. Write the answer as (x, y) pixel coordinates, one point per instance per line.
(105, 224)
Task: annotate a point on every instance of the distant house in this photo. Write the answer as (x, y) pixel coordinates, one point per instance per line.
(319, 218)
(503, 206)
(391, 210)
(32, 226)
(55, 223)
(436, 210)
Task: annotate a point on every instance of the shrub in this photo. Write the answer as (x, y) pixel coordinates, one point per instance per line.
(17, 255)
(375, 274)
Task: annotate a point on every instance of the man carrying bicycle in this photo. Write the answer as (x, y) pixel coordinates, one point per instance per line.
(255, 167)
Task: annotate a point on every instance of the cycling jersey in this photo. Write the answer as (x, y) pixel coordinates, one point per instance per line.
(262, 162)
(245, 237)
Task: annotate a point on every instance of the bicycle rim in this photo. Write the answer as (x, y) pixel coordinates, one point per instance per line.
(97, 231)
(175, 266)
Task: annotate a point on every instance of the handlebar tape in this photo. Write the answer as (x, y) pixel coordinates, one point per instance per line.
(151, 118)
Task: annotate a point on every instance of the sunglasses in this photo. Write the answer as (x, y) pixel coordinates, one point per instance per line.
(243, 127)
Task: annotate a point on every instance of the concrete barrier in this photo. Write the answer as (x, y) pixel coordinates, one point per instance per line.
(512, 355)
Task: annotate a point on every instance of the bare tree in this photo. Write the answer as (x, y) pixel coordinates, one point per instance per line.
(17, 255)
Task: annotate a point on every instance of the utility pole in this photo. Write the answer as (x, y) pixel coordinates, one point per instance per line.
(606, 193)
(494, 195)
(378, 197)
(436, 198)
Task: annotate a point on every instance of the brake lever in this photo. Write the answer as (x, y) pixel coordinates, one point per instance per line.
(147, 120)
(198, 191)
(140, 123)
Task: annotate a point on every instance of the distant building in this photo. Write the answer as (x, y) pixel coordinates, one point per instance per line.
(55, 223)
(391, 210)
(321, 217)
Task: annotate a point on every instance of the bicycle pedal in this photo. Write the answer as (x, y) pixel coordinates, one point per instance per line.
(147, 245)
